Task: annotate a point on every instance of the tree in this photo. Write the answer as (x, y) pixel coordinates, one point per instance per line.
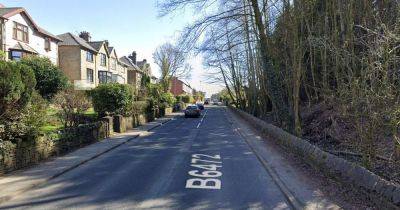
(284, 56)
(73, 104)
(50, 79)
(172, 63)
(17, 83)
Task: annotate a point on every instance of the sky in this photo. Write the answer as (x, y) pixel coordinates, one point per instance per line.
(129, 25)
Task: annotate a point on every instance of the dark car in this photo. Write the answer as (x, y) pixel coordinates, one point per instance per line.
(201, 106)
(192, 111)
(206, 102)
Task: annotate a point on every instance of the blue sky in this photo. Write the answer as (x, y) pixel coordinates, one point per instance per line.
(129, 25)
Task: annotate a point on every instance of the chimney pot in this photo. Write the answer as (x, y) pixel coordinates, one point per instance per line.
(133, 57)
(85, 35)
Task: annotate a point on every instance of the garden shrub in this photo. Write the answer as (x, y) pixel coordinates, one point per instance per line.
(140, 107)
(50, 79)
(17, 83)
(109, 99)
(19, 117)
(25, 123)
(178, 98)
(168, 98)
(73, 105)
(187, 99)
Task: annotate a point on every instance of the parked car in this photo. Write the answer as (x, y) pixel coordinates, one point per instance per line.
(215, 103)
(192, 111)
(206, 103)
(201, 106)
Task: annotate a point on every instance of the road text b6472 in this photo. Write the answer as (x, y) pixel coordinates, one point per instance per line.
(206, 172)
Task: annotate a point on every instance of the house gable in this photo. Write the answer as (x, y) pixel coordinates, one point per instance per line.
(11, 12)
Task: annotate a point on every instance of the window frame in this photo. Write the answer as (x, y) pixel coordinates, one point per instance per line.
(90, 79)
(16, 58)
(105, 77)
(89, 58)
(47, 41)
(18, 27)
(113, 64)
(103, 59)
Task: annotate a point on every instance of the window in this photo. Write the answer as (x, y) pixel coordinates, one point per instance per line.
(20, 32)
(47, 44)
(103, 59)
(16, 55)
(115, 78)
(105, 77)
(113, 63)
(89, 56)
(89, 75)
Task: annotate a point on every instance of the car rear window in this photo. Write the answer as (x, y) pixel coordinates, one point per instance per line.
(191, 107)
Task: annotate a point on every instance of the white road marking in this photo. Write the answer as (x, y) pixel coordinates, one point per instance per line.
(207, 177)
(198, 125)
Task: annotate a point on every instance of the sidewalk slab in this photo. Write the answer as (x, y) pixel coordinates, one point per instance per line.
(20, 181)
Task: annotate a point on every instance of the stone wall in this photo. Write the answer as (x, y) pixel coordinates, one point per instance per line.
(24, 154)
(380, 191)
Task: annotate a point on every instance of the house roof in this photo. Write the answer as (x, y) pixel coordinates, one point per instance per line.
(72, 40)
(7, 12)
(125, 60)
(110, 49)
(4, 11)
(96, 45)
(141, 63)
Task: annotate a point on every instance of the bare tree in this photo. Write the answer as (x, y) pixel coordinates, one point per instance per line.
(172, 63)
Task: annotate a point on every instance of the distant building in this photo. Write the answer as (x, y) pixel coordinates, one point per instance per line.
(178, 87)
(20, 36)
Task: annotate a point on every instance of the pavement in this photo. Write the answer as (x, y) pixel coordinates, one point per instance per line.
(212, 162)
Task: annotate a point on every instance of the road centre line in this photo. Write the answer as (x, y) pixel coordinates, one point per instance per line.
(198, 125)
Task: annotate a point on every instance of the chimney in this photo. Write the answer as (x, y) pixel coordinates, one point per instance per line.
(85, 35)
(133, 57)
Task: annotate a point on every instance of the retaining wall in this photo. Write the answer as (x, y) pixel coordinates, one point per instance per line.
(24, 154)
(380, 191)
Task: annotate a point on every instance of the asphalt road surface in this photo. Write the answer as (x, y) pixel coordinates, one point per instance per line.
(194, 163)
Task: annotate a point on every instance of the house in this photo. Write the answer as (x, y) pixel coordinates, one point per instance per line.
(21, 36)
(134, 75)
(77, 59)
(136, 69)
(117, 69)
(90, 63)
(178, 87)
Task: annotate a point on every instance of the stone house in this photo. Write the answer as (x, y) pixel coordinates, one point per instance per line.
(77, 59)
(89, 63)
(20, 36)
(134, 75)
(117, 69)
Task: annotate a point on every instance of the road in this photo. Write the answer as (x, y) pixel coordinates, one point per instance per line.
(194, 163)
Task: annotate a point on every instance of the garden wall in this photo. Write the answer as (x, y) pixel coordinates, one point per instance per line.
(24, 154)
(377, 189)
